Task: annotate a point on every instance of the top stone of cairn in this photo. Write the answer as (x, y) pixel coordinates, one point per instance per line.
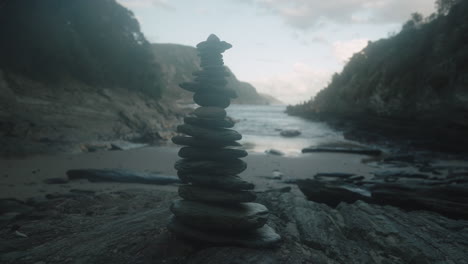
(213, 44)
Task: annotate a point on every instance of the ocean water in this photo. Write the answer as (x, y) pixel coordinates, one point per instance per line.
(260, 126)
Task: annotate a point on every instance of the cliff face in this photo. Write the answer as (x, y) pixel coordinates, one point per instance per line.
(40, 118)
(419, 76)
(178, 62)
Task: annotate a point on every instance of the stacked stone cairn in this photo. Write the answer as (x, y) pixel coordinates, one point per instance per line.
(217, 205)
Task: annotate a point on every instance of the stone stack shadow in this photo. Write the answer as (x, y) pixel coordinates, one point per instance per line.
(217, 205)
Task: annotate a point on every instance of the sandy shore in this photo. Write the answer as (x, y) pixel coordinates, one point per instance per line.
(23, 178)
(84, 222)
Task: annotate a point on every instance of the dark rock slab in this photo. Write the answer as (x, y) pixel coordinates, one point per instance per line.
(264, 237)
(202, 194)
(211, 154)
(120, 175)
(365, 233)
(55, 181)
(217, 100)
(231, 167)
(217, 181)
(244, 216)
(14, 205)
(210, 122)
(210, 112)
(196, 142)
(210, 134)
(274, 152)
(290, 133)
(332, 194)
(363, 151)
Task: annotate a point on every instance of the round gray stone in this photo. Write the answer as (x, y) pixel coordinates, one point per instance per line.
(243, 216)
(231, 167)
(264, 237)
(210, 122)
(203, 194)
(213, 134)
(230, 182)
(211, 99)
(196, 142)
(211, 154)
(210, 112)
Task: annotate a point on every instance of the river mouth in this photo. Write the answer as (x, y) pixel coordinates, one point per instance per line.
(261, 125)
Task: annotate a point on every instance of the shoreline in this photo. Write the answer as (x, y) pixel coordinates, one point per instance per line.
(23, 178)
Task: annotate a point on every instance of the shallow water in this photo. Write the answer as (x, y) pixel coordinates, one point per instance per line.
(260, 126)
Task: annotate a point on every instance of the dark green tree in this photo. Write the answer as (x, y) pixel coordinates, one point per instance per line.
(95, 41)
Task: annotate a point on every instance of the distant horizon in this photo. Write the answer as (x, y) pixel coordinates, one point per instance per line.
(288, 50)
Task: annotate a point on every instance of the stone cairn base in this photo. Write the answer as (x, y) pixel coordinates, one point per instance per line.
(217, 205)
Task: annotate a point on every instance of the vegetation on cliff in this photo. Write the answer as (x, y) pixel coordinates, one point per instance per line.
(420, 72)
(95, 42)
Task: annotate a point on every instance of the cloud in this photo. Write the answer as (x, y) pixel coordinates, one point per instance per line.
(343, 50)
(164, 4)
(298, 85)
(305, 14)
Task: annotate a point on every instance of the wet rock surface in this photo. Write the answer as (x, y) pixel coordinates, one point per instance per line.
(89, 228)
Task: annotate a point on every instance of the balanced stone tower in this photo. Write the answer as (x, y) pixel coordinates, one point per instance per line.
(217, 205)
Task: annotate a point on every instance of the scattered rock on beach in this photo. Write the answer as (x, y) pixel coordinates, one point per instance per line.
(363, 151)
(120, 175)
(274, 152)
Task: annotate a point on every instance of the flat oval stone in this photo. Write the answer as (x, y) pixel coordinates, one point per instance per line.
(214, 134)
(216, 82)
(211, 62)
(229, 182)
(243, 216)
(264, 237)
(211, 99)
(210, 112)
(211, 154)
(210, 73)
(209, 88)
(203, 194)
(210, 122)
(231, 167)
(196, 142)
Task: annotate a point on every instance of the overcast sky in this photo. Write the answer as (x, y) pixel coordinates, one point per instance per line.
(286, 48)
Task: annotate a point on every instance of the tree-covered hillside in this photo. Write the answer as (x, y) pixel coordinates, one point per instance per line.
(96, 42)
(419, 73)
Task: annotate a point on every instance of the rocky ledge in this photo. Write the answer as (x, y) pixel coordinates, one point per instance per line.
(87, 227)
